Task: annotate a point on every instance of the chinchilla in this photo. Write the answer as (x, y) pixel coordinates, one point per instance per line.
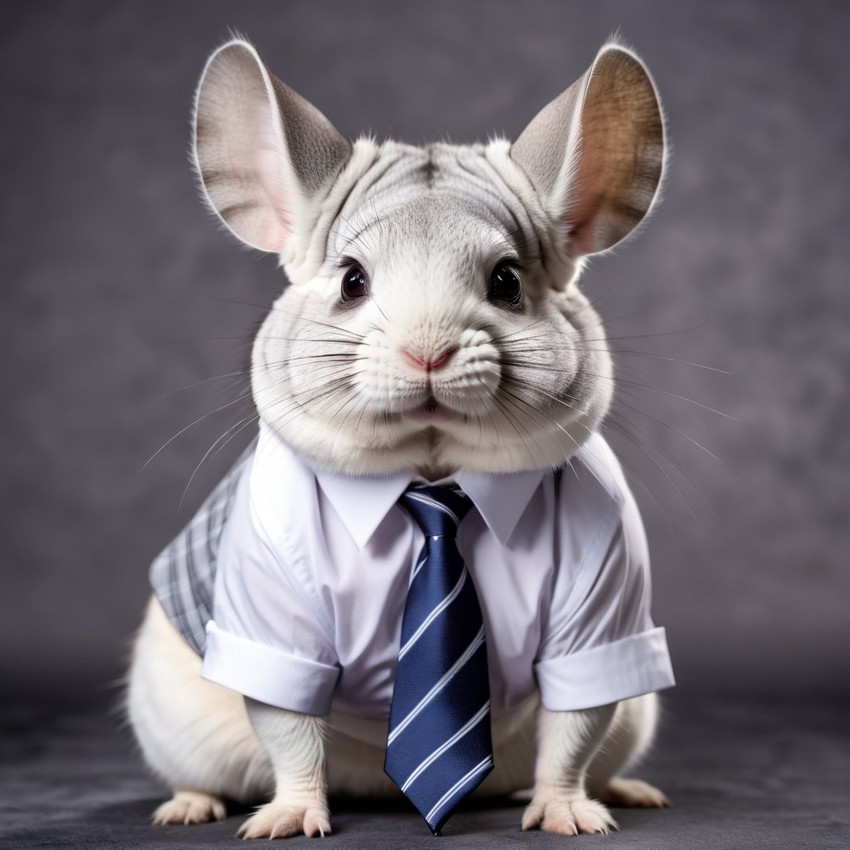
(433, 325)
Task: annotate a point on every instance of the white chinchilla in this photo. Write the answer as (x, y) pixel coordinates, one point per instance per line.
(433, 329)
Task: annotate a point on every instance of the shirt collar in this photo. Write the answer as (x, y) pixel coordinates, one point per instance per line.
(501, 499)
(363, 502)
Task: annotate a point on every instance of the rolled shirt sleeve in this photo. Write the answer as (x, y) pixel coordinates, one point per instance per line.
(268, 638)
(601, 645)
(268, 674)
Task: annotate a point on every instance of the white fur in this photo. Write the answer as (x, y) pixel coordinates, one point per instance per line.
(521, 387)
(296, 748)
(568, 740)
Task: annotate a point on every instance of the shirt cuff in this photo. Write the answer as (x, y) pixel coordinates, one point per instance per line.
(267, 674)
(638, 664)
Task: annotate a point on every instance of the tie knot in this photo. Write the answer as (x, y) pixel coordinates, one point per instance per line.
(438, 511)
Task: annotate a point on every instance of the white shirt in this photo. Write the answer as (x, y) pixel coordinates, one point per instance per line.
(314, 569)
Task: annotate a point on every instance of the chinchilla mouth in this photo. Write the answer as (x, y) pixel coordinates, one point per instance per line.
(432, 412)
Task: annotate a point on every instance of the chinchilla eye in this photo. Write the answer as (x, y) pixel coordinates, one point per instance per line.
(505, 285)
(355, 284)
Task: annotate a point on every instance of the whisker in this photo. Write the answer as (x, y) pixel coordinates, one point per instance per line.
(674, 429)
(234, 374)
(506, 398)
(631, 471)
(676, 360)
(612, 422)
(277, 309)
(620, 380)
(521, 330)
(246, 422)
(201, 462)
(517, 401)
(647, 336)
(672, 394)
(192, 424)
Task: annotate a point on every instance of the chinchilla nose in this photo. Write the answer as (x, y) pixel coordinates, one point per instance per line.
(430, 364)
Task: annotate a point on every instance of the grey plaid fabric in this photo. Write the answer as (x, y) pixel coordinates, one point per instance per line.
(183, 575)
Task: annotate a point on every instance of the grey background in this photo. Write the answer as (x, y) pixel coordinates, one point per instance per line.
(118, 290)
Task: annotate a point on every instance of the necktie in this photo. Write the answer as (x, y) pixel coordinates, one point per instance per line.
(438, 747)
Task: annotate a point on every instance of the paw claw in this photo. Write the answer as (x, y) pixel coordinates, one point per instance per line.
(280, 820)
(568, 814)
(189, 807)
(532, 817)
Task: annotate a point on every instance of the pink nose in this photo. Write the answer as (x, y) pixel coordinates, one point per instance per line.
(434, 363)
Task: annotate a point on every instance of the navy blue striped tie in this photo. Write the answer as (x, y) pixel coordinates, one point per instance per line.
(439, 748)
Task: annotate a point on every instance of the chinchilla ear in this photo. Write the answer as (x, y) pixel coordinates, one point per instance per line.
(595, 154)
(262, 151)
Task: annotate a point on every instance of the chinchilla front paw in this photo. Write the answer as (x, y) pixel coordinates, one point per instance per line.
(567, 813)
(284, 818)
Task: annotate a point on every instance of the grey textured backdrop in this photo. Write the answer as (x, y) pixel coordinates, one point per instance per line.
(117, 290)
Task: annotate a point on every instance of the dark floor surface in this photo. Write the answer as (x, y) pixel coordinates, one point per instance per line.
(741, 773)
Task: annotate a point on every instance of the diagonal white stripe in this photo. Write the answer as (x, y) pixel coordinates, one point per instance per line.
(482, 765)
(418, 567)
(470, 724)
(427, 500)
(438, 609)
(441, 683)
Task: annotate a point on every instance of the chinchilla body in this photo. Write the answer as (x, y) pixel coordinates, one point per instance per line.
(433, 324)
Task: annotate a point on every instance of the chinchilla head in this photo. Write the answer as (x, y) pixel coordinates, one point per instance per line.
(433, 320)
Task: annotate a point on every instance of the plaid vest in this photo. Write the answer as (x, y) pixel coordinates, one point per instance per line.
(183, 574)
